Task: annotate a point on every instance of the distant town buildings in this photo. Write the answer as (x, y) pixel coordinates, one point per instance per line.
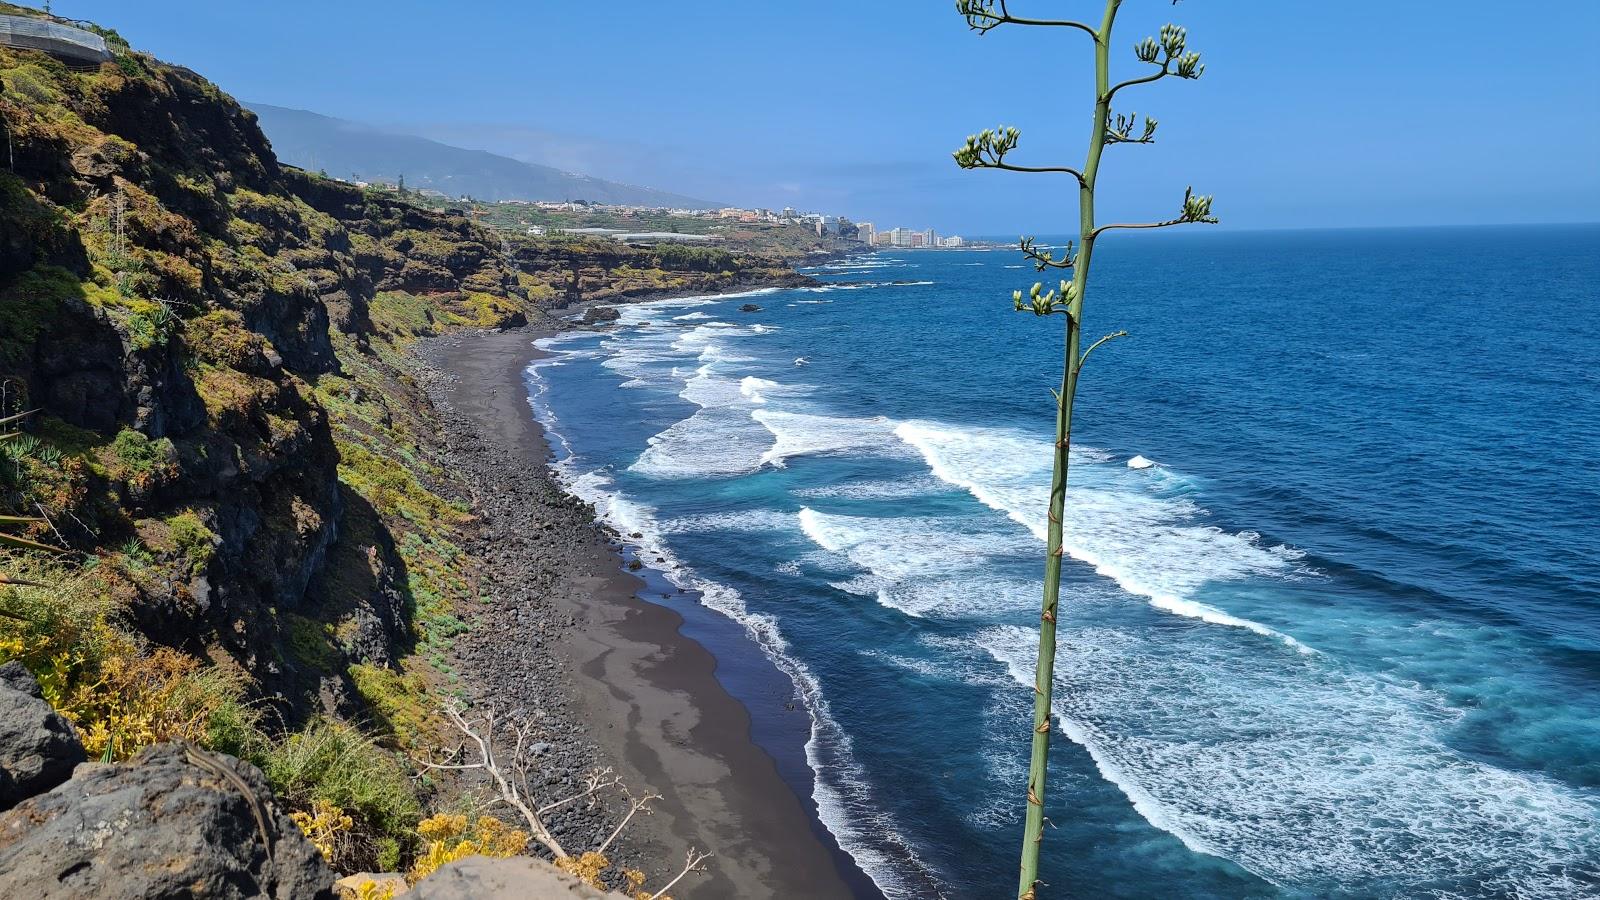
(825, 225)
(905, 238)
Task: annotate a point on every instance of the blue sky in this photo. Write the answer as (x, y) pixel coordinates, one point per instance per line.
(1309, 114)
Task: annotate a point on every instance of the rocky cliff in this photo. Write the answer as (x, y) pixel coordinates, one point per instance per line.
(224, 431)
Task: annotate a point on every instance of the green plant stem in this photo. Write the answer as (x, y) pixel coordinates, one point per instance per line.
(1044, 673)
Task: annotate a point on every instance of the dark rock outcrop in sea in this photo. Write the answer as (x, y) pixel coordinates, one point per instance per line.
(597, 314)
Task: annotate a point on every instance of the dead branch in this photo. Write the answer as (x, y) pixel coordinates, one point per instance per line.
(694, 863)
(511, 781)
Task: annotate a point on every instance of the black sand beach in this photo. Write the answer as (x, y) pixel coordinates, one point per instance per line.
(616, 670)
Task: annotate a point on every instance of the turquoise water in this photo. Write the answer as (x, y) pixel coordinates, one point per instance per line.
(1342, 640)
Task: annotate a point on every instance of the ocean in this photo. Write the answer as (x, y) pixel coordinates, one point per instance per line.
(1342, 640)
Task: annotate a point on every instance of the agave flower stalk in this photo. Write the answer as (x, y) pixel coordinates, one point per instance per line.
(1170, 56)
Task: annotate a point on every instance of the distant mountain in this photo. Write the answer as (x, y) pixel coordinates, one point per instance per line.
(343, 148)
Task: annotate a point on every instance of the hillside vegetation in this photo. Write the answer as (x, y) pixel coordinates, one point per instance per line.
(258, 549)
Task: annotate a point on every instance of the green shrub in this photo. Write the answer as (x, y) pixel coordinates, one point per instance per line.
(196, 543)
(335, 763)
(150, 325)
(139, 461)
(309, 642)
(399, 702)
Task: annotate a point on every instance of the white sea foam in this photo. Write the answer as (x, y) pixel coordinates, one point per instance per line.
(1150, 545)
(922, 566)
(859, 286)
(764, 520)
(1312, 774)
(720, 439)
(801, 434)
(755, 389)
(715, 442)
(892, 489)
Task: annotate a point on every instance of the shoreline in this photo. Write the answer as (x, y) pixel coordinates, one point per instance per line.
(646, 692)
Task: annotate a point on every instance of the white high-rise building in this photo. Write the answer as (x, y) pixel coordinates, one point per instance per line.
(865, 233)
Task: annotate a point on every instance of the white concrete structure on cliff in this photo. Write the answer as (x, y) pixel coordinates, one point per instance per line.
(63, 41)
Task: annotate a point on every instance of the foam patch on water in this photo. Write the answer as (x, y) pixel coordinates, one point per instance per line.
(886, 489)
(860, 286)
(716, 442)
(1149, 545)
(763, 520)
(922, 566)
(803, 434)
(1308, 774)
(721, 439)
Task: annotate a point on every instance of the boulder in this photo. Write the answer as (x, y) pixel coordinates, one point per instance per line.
(517, 878)
(749, 307)
(38, 748)
(597, 314)
(174, 822)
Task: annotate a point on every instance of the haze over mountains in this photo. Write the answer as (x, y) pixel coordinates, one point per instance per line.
(343, 149)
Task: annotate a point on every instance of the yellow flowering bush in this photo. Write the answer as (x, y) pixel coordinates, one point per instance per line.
(587, 866)
(326, 826)
(590, 866)
(139, 700)
(119, 694)
(448, 837)
(372, 890)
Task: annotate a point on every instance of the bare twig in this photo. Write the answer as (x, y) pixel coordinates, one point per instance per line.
(635, 806)
(513, 795)
(691, 864)
(511, 781)
(46, 516)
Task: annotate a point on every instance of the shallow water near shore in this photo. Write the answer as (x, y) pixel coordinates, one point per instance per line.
(1343, 640)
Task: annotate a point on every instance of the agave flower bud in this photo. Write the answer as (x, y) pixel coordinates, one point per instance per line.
(1196, 207)
(1034, 292)
(1146, 50)
(1189, 66)
(1173, 39)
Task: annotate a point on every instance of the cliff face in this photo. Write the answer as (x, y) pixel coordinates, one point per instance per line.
(212, 341)
(170, 297)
